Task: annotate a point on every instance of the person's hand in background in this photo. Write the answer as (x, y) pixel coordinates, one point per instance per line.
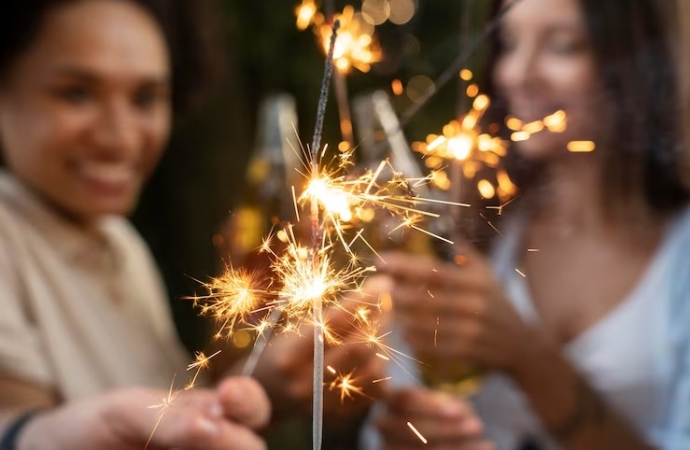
(445, 422)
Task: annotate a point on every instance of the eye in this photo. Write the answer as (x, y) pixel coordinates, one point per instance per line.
(506, 43)
(566, 44)
(75, 94)
(150, 96)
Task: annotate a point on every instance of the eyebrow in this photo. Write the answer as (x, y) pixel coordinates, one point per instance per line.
(92, 76)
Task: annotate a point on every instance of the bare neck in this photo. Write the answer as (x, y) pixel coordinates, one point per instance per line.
(572, 200)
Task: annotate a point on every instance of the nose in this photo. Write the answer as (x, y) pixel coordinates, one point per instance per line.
(117, 134)
(517, 71)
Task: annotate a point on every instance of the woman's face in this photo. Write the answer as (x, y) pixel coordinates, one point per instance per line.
(547, 64)
(85, 110)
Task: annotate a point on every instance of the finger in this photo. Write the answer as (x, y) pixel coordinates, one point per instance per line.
(441, 302)
(422, 402)
(415, 269)
(480, 445)
(403, 430)
(244, 401)
(201, 433)
(235, 437)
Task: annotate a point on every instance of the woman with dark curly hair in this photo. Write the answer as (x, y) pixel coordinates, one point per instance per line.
(87, 94)
(582, 317)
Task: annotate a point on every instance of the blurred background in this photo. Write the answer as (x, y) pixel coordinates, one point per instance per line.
(261, 52)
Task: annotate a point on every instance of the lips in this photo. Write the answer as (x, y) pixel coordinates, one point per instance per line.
(108, 177)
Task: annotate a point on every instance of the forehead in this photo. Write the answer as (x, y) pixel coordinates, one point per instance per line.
(543, 13)
(107, 37)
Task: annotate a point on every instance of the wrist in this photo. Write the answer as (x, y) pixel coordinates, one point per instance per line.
(15, 436)
(538, 353)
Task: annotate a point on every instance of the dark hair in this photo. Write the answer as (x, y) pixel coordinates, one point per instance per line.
(186, 24)
(638, 72)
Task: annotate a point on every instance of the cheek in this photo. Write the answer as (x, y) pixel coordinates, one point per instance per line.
(501, 74)
(28, 135)
(578, 91)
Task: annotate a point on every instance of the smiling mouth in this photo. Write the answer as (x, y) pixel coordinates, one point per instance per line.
(108, 178)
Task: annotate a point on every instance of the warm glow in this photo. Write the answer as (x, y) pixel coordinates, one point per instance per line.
(486, 189)
(556, 122)
(514, 124)
(460, 146)
(472, 90)
(581, 146)
(305, 14)
(376, 12)
(401, 11)
(533, 127)
(466, 74)
(519, 136)
(355, 46)
(397, 87)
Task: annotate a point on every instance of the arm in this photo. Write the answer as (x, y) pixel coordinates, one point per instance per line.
(480, 326)
(572, 412)
(19, 397)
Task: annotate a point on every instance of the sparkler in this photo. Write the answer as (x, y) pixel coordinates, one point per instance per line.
(163, 406)
(417, 433)
(315, 255)
(304, 280)
(356, 47)
(202, 362)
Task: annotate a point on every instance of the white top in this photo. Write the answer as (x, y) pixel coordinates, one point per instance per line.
(637, 357)
(80, 313)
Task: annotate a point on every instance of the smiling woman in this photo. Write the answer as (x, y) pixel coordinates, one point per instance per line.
(581, 316)
(87, 93)
(84, 121)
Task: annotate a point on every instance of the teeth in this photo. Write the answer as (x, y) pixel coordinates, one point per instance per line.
(108, 173)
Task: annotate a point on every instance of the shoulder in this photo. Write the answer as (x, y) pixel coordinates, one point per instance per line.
(677, 248)
(122, 234)
(130, 247)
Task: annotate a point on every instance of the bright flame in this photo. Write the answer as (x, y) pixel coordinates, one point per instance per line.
(232, 299)
(200, 363)
(356, 45)
(346, 385)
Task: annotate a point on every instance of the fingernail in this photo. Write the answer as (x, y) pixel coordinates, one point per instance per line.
(447, 404)
(451, 409)
(471, 426)
(234, 394)
(209, 427)
(216, 411)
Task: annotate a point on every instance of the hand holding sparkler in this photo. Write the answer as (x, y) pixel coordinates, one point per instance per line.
(457, 316)
(419, 418)
(286, 365)
(122, 420)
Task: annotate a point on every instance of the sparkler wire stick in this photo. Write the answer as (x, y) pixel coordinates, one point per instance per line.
(261, 342)
(316, 236)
